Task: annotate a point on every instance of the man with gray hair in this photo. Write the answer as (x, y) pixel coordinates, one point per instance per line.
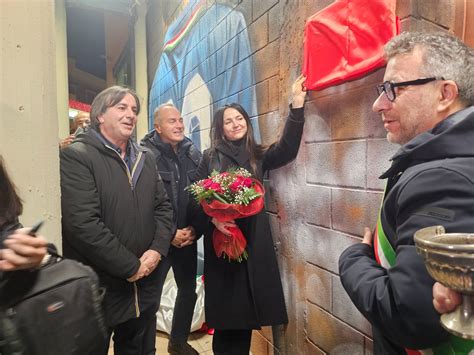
(426, 106)
(177, 160)
(117, 218)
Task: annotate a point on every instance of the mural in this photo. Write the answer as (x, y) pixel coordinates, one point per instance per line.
(205, 64)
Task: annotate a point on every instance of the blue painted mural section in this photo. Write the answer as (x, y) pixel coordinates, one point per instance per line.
(213, 54)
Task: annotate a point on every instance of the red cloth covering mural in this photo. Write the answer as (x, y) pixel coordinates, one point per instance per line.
(345, 40)
(81, 106)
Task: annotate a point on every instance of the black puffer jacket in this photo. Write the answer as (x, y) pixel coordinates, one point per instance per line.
(430, 182)
(177, 171)
(110, 217)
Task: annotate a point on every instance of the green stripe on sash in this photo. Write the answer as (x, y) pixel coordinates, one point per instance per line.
(455, 345)
(385, 245)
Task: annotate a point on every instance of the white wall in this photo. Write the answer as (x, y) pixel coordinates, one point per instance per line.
(29, 108)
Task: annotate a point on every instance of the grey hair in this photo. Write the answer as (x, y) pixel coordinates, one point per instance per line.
(443, 56)
(108, 98)
(156, 117)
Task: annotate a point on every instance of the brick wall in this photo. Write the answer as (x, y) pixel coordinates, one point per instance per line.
(319, 203)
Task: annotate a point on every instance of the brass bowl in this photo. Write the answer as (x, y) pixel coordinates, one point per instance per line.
(449, 259)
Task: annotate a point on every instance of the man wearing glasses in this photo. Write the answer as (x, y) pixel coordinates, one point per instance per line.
(426, 107)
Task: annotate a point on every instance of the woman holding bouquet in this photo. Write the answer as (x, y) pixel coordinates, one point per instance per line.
(244, 296)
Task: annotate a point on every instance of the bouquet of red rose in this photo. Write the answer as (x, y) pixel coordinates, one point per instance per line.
(227, 196)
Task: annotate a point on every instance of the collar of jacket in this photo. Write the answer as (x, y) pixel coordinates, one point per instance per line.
(186, 146)
(165, 148)
(451, 138)
(90, 137)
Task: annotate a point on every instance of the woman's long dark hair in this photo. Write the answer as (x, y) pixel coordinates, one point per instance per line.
(217, 136)
(11, 205)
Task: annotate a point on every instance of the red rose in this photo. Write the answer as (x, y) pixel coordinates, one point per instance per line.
(235, 186)
(207, 184)
(247, 182)
(216, 187)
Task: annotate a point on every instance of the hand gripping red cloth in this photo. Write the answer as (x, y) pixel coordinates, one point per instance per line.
(345, 40)
(233, 246)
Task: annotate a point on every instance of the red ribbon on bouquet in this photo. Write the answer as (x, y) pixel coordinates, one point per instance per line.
(233, 246)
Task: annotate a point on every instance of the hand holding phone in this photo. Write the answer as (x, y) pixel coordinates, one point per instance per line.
(35, 228)
(23, 249)
(78, 130)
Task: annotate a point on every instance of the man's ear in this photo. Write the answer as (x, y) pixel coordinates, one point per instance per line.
(448, 95)
(157, 127)
(100, 118)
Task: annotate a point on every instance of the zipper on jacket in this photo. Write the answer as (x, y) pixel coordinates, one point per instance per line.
(129, 174)
(177, 170)
(137, 307)
(135, 167)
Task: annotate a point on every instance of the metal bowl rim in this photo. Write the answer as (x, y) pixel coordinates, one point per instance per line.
(428, 242)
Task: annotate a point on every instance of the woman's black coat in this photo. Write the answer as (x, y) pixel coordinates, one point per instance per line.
(248, 295)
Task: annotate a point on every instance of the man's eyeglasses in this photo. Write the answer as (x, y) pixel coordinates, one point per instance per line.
(388, 87)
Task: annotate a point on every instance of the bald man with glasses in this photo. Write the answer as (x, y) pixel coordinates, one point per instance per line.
(426, 107)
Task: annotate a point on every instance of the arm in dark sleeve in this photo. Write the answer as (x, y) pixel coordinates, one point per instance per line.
(164, 222)
(196, 217)
(286, 149)
(202, 171)
(200, 221)
(399, 301)
(81, 219)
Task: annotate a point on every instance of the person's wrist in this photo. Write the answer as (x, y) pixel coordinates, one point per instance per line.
(298, 102)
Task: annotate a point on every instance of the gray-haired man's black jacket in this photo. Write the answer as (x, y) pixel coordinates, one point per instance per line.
(111, 215)
(177, 171)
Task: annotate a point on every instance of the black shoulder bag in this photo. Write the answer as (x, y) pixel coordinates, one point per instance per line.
(53, 310)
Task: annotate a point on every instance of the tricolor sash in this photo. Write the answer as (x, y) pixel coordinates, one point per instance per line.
(386, 257)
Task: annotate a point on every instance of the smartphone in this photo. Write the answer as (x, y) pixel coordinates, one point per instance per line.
(35, 228)
(78, 130)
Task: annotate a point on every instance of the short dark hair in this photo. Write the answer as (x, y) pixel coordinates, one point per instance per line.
(108, 98)
(11, 205)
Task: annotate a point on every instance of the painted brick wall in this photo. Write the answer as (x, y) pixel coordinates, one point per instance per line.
(319, 203)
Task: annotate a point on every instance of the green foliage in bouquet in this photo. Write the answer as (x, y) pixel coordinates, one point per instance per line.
(232, 187)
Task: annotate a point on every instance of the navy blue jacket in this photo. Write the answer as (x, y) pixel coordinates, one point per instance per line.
(430, 182)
